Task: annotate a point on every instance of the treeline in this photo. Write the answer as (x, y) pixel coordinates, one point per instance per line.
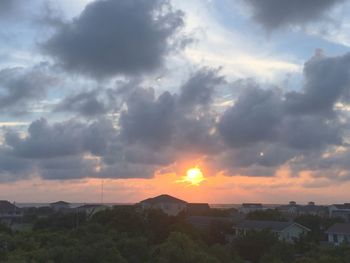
(123, 234)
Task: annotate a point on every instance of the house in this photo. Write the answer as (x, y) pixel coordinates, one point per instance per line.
(60, 206)
(339, 233)
(250, 207)
(168, 204)
(91, 209)
(340, 210)
(293, 210)
(287, 231)
(9, 213)
(312, 209)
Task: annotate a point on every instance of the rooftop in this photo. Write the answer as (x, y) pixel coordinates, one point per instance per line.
(163, 199)
(276, 226)
(339, 228)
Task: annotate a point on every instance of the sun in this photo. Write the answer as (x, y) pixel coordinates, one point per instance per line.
(194, 176)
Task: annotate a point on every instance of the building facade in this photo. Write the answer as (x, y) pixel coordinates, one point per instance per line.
(286, 231)
(168, 204)
(339, 233)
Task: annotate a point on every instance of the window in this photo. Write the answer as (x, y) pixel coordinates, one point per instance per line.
(335, 238)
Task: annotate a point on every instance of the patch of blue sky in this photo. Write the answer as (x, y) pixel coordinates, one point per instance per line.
(296, 43)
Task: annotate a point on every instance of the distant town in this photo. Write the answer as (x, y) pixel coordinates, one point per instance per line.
(283, 220)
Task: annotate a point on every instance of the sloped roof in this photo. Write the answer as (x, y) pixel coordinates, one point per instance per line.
(164, 198)
(6, 206)
(339, 228)
(275, 226)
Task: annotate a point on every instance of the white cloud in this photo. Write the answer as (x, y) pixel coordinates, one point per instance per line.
(239, 55)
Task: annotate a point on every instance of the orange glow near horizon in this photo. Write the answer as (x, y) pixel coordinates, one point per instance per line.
(194, 177)
(216, 188)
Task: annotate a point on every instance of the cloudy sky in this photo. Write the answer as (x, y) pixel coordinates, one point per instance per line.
(133, 93)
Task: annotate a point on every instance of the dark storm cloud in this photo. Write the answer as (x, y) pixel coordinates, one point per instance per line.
(273, 14)
(117, 37)
(19, 87)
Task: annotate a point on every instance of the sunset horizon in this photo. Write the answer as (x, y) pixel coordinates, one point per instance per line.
(219, 101)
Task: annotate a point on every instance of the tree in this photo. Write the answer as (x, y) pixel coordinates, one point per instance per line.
(179, 248)
(255, 244)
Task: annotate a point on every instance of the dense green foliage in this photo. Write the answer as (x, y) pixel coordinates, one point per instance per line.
(123, 234)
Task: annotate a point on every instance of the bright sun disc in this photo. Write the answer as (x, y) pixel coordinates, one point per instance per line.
(194, 176)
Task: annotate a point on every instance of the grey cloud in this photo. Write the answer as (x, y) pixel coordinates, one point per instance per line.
(262, 131)
(116, 37)
(61, 139)
(148, 120)
(172, 120)
(99, 101)
(12, 167)
(261, 154)
(301, 120)
(66, 168)
(128, 170)
(86, 104)
(254, 117)
(327, 80)
(273, 14)
(73, 150)
(310, 132)
(197, 135)
(269, 128)
(8, 8)
(19, 87)
(199, 88)
(138, 153)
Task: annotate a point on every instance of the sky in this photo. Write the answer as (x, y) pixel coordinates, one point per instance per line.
(128, 95)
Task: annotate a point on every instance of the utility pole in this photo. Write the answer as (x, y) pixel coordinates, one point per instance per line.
(101, 191)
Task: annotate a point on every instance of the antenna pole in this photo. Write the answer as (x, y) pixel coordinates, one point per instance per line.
(101, 191)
